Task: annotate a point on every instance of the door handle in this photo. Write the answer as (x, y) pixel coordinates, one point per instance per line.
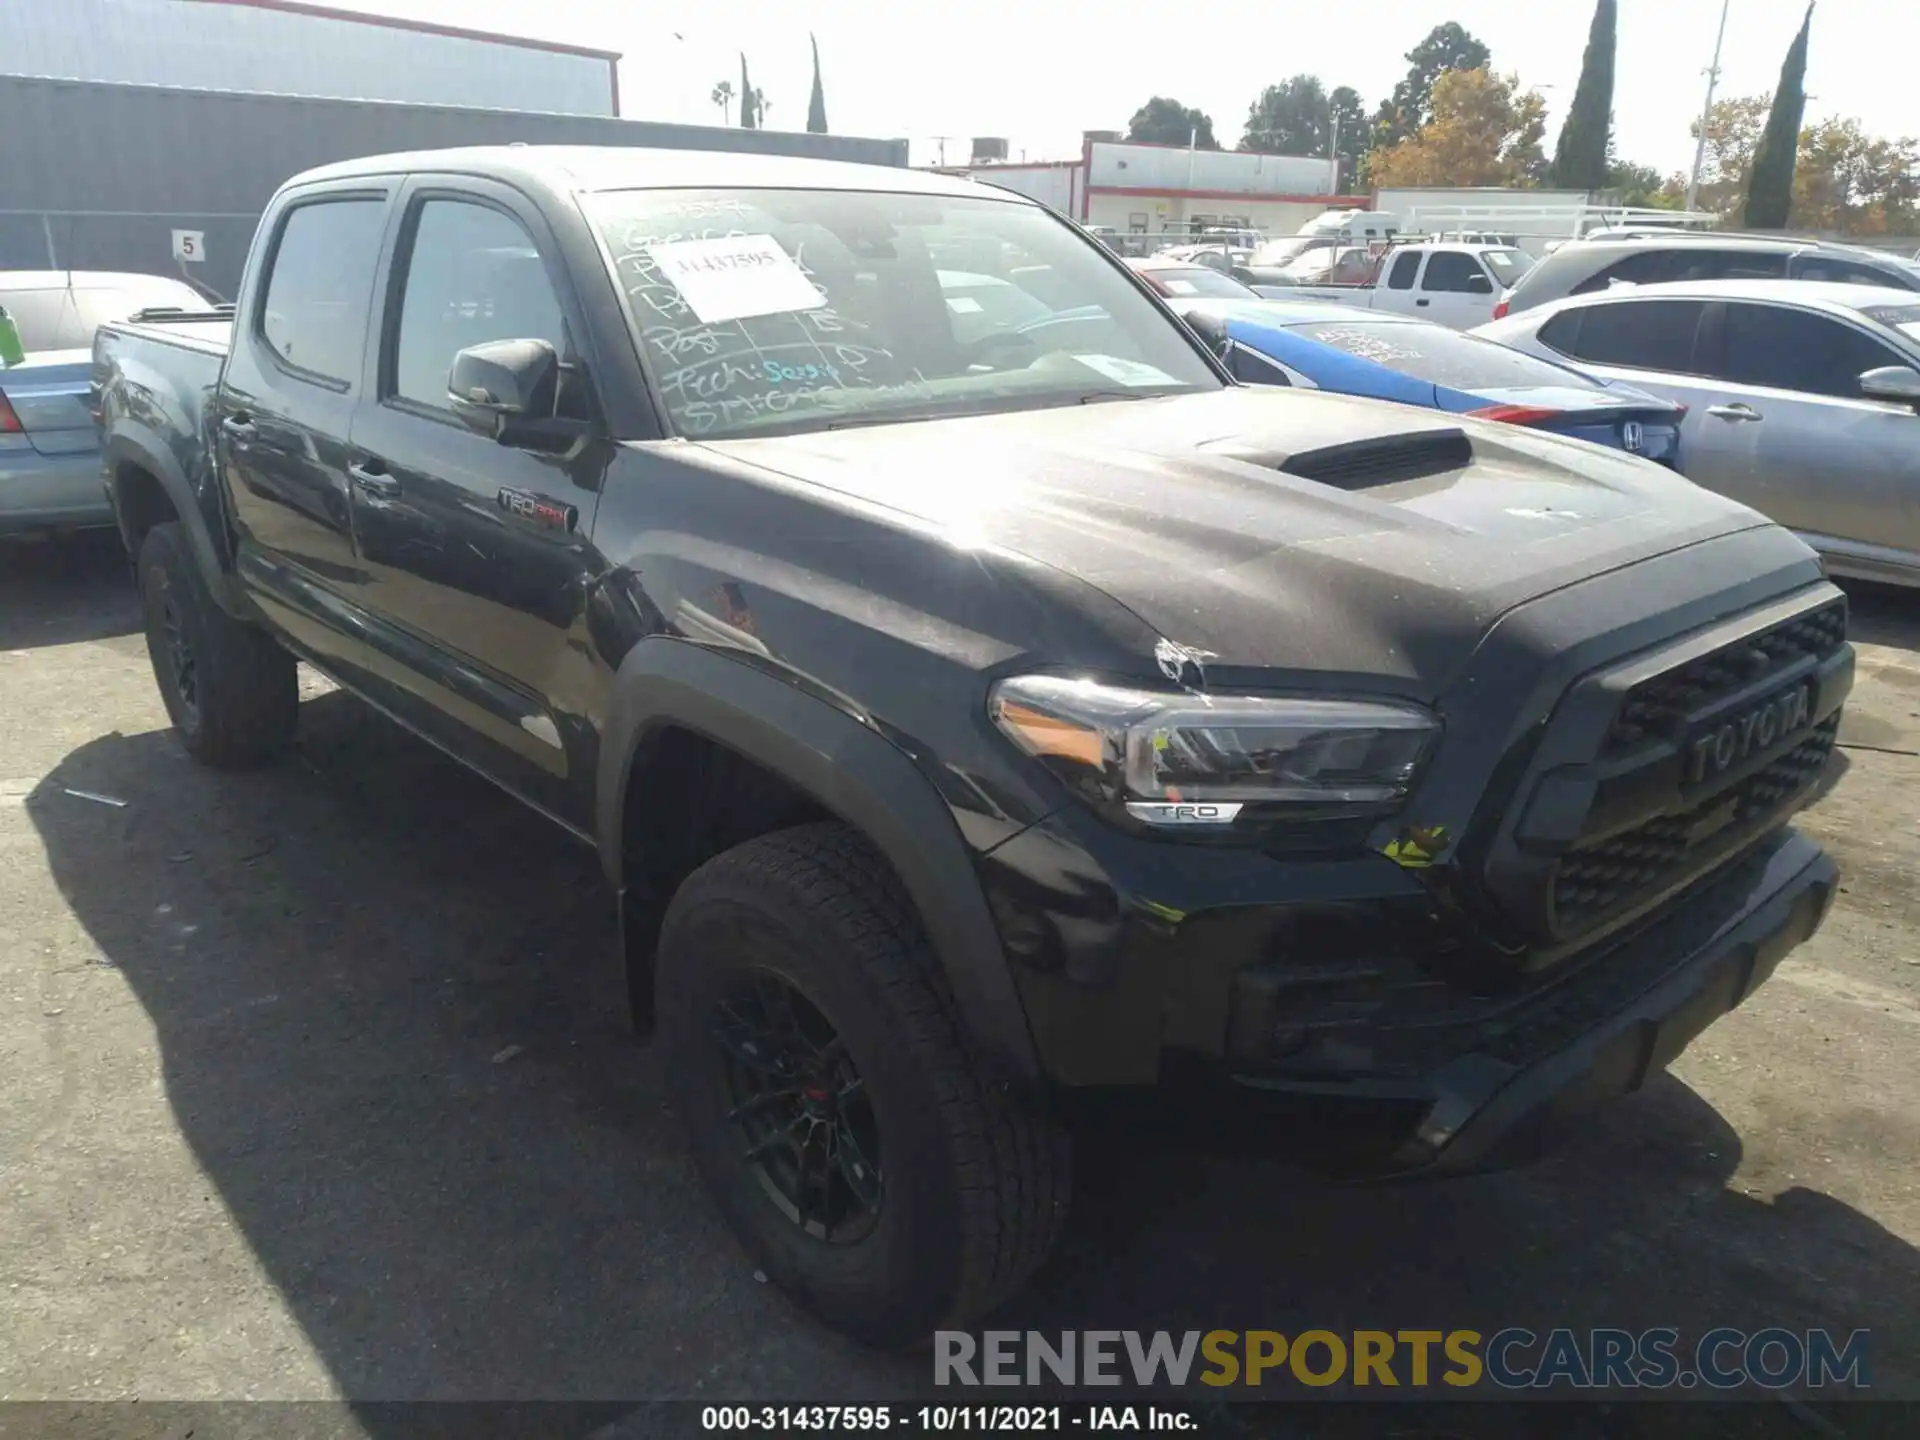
(1735, 411)
(376, 483)
(238, 427)
(1423, 302)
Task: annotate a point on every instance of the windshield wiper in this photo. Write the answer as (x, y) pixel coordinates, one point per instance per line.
(1094, 397)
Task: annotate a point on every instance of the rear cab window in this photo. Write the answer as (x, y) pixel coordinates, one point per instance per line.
(1405, 266)
(313, 311)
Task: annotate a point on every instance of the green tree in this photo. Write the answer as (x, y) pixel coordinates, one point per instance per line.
(1352, 140)
(1291, 118)
(1447, 47)
(1580, 156)
(1733, 132)
(1641, 187)
(1167, 122)
(817, 101)
(751, 100)
(1770, 191)
(1485, 130)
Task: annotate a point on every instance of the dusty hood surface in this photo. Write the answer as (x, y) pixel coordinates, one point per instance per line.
(1274, 528)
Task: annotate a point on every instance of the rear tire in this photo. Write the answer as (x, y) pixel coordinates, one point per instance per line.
(947, 1193)
(232, 693)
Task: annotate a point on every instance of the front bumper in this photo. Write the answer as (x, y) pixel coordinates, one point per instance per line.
(1484, 1107)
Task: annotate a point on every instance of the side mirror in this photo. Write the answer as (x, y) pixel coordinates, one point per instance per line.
(1479, 285)
(509, 391)
(1892, 382)
(1212, 331)
(504, 379)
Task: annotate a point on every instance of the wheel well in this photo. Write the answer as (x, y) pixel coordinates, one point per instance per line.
(141, 502)
(688, 799)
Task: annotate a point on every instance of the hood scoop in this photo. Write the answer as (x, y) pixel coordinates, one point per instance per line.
(1361, 464)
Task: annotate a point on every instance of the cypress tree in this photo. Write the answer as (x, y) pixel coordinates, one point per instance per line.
(817, 102)
(749, 118)
(1770, 189)
(1580, 156)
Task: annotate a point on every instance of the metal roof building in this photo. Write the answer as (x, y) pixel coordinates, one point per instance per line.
(148, 135)
(289, 47)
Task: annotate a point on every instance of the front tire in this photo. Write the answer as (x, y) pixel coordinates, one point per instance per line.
(830, 1099)
(232, 693)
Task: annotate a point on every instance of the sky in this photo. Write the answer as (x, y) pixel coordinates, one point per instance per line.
(1040, 71)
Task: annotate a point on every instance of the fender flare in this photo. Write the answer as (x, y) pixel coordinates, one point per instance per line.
(854, 772)
(134, 445)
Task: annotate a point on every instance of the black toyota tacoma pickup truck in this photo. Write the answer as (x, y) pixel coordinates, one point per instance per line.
(977, 699)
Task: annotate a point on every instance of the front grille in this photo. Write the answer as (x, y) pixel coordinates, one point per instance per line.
(1659, 707)
(1592, 880)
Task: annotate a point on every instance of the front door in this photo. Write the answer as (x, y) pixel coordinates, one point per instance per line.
(476, 556)
(1785, 428)
(292, 382)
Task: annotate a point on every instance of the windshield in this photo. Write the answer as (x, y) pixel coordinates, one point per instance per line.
(1507, 265)
(1440, 356)
(1197, 280)
(764, 310)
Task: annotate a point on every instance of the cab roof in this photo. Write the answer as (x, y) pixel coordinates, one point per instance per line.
(585, 169)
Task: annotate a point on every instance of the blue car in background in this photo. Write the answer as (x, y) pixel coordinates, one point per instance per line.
(1321, 345)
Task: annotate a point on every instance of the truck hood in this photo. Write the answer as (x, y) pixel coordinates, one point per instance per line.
(1265, 528)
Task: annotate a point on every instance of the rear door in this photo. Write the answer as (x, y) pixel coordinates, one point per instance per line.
(287, 399)
(1799, 441)
(476, 561)
(1455, 290)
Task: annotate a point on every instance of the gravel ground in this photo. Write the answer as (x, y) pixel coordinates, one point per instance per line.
(321, 1087)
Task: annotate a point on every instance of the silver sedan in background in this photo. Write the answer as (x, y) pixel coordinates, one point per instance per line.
(1803, 398)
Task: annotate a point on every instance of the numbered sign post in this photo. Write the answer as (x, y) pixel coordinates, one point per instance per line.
(190, 245)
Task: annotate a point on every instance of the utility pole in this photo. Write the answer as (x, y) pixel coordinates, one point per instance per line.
(1334, 153)
(1706, 110)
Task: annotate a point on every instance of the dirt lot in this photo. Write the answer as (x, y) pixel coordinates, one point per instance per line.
(320, 1086)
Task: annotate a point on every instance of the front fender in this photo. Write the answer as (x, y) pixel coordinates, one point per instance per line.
(131, 444)
(854, 772)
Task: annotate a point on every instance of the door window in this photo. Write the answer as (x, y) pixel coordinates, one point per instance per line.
(1405, 266)
(1637, 334)
(314, 313)
(1450, 271)
(1782, 349)
(473, 275)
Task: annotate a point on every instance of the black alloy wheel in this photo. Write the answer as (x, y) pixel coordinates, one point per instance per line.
(798, 1108)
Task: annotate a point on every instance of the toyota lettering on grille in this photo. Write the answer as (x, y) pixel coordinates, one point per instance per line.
(1725, 745)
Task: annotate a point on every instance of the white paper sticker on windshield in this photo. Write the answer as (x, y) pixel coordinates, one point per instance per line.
(735, 277)
(1180, 287)
(963, 305)
(1125, 372)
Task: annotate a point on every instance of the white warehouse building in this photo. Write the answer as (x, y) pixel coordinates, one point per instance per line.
(1143, 189)
(289, 47)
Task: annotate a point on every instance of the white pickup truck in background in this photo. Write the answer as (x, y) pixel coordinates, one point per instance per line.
(1452, 284)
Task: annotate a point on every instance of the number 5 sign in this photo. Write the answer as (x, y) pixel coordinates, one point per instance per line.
(189, 245)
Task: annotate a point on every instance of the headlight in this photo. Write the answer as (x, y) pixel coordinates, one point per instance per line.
(1183, 759)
